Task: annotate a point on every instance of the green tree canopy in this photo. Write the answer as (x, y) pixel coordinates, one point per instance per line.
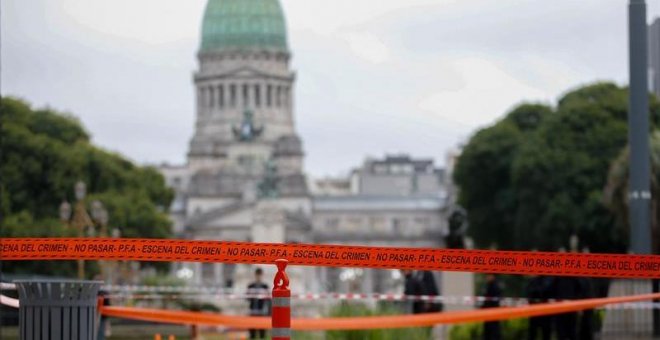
(538, 183)
(43, 154)
(483, 174)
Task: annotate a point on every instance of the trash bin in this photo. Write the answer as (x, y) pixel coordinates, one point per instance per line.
(57, 309)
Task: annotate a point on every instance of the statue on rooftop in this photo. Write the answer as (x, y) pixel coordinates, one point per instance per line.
(267, 188)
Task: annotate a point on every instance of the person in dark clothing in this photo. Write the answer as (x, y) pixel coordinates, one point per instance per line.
(587, 318)
(567, 288)
(538, 291)
(413, 286)
(430, 288)
(258, 306)
(493, 293)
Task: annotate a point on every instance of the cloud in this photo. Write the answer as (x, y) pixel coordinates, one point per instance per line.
(487, 93)
(150, 22)
(373, 77)
(368, 47)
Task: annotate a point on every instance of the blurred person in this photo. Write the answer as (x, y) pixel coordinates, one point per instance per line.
(586, 329)
(430, 288)
(538, 291)
(567, 288)
(259, 306)
(413, 286)
(493, 293)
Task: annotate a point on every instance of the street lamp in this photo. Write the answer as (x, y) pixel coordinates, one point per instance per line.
(100, 215)
(81, 190)
(117, 268)
(65, 212)
(76, 217)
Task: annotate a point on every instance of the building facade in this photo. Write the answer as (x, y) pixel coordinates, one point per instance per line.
(244, 177)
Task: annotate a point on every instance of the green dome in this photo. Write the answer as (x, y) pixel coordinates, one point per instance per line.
(243, 24)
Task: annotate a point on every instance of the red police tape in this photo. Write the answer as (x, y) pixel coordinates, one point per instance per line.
(371, 322)
(482, 261)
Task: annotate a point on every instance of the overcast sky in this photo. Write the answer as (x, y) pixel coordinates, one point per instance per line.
(373, 77)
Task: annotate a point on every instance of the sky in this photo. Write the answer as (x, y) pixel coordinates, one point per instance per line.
(373, 77)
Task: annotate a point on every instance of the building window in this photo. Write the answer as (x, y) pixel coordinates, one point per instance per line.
(208, 272)
(257, 95)
(232, 95)
(278, 97)
(398, 224)
(176, 182)
(332, 222)
(221, 96)
(246, 95)
(354, 222)
(247, 163)
(377, 224)
(211, 96)
(228, 271)
(205, 97)
(269, 95)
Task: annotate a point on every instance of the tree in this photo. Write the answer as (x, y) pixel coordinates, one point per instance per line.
(43, 153)
(483, 174)
(560, 175)
(534, 187)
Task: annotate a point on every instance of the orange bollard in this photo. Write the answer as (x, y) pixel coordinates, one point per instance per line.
(171, 337)
(157, 336)
(281, 306)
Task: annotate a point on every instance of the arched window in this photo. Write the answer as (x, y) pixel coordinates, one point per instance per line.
(232, 95)
(257, 95)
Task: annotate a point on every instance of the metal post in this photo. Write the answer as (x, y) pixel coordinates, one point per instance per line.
(639, 194)
(281, 313)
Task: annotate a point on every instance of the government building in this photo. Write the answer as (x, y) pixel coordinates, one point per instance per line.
(244, 178)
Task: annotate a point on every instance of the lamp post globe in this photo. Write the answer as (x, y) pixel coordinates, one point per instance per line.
(103, 217)
(81, 190)
(65, 211)
(97, 210)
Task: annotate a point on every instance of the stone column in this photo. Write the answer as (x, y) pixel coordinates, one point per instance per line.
(368, 281)
(197, 277)
(200, 98)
